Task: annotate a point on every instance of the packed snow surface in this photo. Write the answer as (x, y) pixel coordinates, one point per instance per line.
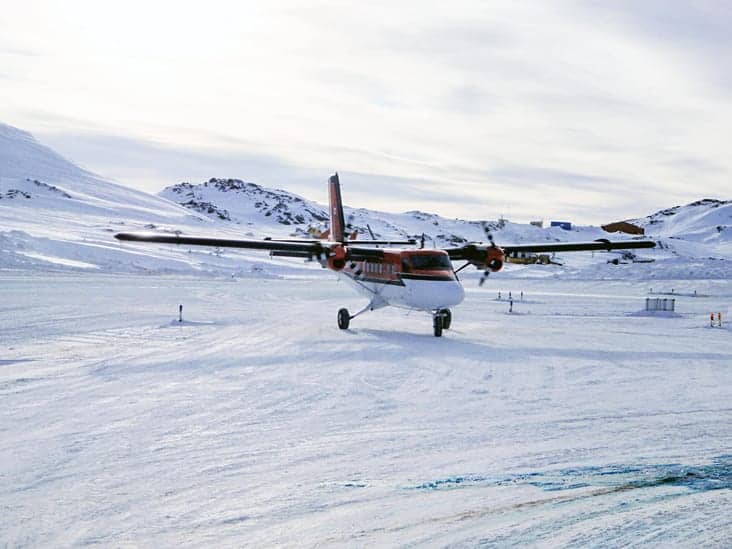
(256, 421)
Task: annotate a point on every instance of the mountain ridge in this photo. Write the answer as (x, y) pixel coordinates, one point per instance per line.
(56, 215)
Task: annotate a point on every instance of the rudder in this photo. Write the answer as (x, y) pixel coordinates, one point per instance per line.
(337, 221)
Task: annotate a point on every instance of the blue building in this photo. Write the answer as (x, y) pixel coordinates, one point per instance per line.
(566, 225)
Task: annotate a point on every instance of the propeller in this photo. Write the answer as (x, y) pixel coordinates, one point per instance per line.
(370, 231)
(488, 233)
(489, 236)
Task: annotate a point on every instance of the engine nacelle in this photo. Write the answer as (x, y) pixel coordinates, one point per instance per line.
(494, 259)
(337, 259)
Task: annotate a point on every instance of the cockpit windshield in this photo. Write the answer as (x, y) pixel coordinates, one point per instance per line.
(431, 262)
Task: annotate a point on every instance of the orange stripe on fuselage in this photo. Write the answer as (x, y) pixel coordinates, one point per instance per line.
(389, 270)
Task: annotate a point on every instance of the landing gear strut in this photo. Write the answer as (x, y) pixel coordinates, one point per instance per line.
(441, 318)
(344, 317)
(437, 324)
(446, 319)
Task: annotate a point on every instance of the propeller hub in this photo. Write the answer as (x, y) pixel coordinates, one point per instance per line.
(495, 265)
(337, 259)
(494, 259)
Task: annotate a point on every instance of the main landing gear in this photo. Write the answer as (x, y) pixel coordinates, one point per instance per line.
(441, 320)
(344, 319)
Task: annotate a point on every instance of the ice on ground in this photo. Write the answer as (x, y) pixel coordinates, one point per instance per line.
(258, 422)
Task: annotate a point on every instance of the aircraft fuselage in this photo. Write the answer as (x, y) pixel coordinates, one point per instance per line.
(412, 279)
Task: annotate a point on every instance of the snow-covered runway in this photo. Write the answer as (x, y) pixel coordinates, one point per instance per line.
(256, 421)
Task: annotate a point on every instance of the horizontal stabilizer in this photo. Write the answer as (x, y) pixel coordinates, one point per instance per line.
(410, 242)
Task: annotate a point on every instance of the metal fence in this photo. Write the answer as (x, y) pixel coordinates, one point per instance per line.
(660, 304)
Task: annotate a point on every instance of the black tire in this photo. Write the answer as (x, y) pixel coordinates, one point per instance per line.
(446, 319)
(344, 319)
(437, 325)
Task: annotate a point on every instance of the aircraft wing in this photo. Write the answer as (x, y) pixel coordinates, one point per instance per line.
(476, 252)
(601, 244)
(279, 248)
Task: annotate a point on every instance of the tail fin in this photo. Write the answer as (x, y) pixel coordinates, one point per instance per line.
(337, 221)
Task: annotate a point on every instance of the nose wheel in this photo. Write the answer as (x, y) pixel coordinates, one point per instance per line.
(441, 320)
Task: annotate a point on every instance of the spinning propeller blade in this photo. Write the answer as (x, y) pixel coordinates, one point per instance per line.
(489, 236)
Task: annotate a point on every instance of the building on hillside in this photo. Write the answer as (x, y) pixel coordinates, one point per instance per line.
(566, 225)
(623, 227)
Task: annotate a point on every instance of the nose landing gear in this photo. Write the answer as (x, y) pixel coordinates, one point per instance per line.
(437, 325)
(441, 320)
(446, 318)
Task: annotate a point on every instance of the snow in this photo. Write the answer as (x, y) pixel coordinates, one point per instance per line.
(702, 225)
(56, 216)
(258, 422)
(59, 260)
(575, 420)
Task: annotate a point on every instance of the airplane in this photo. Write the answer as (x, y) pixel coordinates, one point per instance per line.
(391, 275)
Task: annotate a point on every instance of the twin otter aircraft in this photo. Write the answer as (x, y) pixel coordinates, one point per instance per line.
(413, 278)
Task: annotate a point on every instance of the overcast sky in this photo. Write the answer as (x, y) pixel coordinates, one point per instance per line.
(591, 111)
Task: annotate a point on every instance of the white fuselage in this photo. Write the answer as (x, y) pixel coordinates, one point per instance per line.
(408, 292)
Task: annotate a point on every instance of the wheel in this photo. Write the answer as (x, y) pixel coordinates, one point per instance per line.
(437, 325)
(344, 318)
(446, 319)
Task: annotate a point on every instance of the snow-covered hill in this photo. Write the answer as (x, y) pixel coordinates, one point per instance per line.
(702, 227)
(695, 244)
(55, 215)
(272, 211)
(246, 203)
(32, 171)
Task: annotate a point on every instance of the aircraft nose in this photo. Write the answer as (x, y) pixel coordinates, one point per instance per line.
(429, 295)
(457, 294)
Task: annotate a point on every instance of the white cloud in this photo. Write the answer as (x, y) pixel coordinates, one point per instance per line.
(583, 104)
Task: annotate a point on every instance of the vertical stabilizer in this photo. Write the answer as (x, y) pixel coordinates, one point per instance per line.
(337, 221)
